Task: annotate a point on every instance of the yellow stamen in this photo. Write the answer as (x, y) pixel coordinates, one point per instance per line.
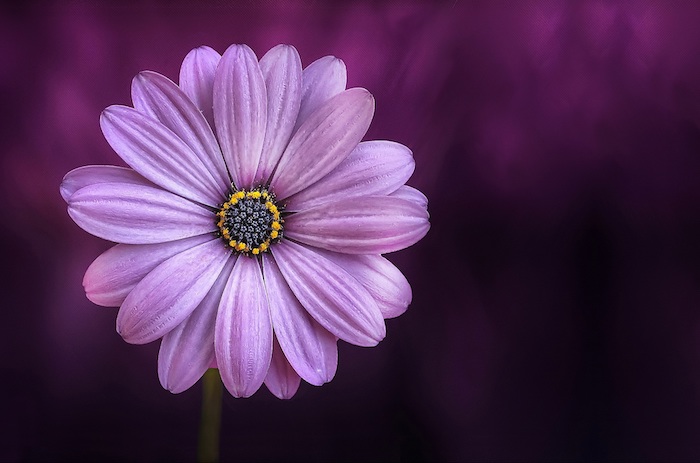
(274, 234)
(241, 246)
(232, 243)
(276, 225)
(255, 251)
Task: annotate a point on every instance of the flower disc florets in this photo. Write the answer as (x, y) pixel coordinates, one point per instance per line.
(249, 221)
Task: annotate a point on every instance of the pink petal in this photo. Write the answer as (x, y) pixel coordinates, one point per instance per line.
(331, 295)
(112, 276)
(411, 194)
(137, 214)
(387, 285)
(281, 378)
(321, 80)
(309, 348)
(366, 225)
(167, 295)
(372, 168)
(281, 67)
(243, 338)
(159, 98)
(323, 141)
(240, 112)
(155, 152)
(89, 175)
(188, 350)
(197, 79)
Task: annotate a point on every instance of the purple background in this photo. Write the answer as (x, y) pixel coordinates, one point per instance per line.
(556, 311)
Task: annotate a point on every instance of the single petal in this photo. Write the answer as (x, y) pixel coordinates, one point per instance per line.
(137, 214)
(323, 141)
(387, 285)
(331, 295)
(89, 175)
(155, 152)
(411, 194)
(240, 112)
(159, 98)
(188, 350)
(281, 68)
(309, 348)
(197, 79)
(167, 295)
(368, 225)
(321, 80)
(243, 337)
(281, 378)
(112, 276)
(373, 168)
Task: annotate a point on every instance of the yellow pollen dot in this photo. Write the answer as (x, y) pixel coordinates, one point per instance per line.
(232, 243)
(274, 234)
(255, 251)
(263, 246)
(221, 214)
(265, 195)
(226, 205)
(276, 225)
(241, 246)
(233, 201)
(239, 195)
(254, 194)
(220, 223)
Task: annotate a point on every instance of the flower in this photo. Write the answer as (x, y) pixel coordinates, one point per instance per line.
(251, 222)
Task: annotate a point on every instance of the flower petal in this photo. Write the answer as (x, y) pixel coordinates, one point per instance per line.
(159, 98)
(155, 152)
(368, 225)
(281, 378)
(331, 295)
(411, 194)
(197, 79)
(372, 168)
(167, 295)
(89, 175)
(281, 67)
(309, 348)
(137, 214)
(321, 80)
(387, 285)
(243, 337)
(187, 351)
(240, 112)
(323, 141)
(112, 276)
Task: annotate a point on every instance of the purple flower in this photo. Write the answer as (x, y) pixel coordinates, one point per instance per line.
(252, 220)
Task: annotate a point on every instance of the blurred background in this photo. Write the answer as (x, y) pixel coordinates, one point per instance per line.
(556, 311)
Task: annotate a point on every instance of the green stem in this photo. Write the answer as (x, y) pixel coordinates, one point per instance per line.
(210, 425)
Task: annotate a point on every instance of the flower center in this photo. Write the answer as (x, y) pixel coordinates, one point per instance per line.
(249, 221)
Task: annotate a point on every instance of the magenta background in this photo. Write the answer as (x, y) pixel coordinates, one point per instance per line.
(556, 311)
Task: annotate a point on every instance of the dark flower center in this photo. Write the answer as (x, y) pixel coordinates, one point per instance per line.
(249, 221)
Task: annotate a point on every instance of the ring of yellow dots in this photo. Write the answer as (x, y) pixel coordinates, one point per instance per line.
(250, 221)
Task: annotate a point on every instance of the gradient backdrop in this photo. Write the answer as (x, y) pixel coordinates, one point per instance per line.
(556, 311)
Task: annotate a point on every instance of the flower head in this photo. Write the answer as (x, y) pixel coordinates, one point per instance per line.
(251, 221)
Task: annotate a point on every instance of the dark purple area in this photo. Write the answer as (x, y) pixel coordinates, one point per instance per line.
(556, 311)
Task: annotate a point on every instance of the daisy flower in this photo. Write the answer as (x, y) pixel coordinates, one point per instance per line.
(251, 220)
